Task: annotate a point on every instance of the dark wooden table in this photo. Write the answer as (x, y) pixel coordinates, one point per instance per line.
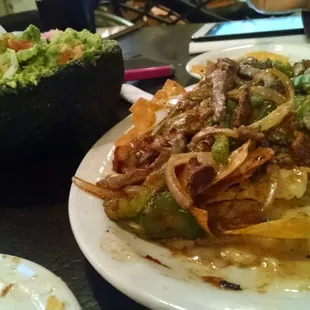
(34, 221)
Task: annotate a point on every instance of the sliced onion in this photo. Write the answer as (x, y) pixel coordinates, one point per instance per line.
(134, 189)
(239, 81)
(95, 190)
(156, 180)
(134, 226)
(234, 94)
(203, 157)
(269, 94)
(177, 191)
(273, 171)
(212, 131)
(155, 176)
(258, 77)
(179, 194)
(275, 117)
(285, 80)
(281, 76)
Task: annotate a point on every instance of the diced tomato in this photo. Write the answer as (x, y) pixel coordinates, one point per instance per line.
(69, 53)
(65, 56)
(18, 44)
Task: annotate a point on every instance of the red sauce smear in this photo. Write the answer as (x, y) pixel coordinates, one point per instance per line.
(156, 261)
(19, 44)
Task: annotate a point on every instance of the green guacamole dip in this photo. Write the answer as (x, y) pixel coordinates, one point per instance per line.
(26, 58)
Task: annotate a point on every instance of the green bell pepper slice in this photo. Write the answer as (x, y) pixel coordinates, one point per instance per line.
(163, 218)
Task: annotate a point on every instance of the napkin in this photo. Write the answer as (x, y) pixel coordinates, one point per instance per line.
(131, 93)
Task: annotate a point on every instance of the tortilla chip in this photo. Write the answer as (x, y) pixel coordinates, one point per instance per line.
(234, 214)
(198, 69)
(128, 137)
(201, 217)
(263, 55)
(143, 114)
(225, 184)
(255, 192)
(232, 193)
(146, 114)
(254, 160)
(173, 89)
(160, 97)
(170, 90)
(292, 228)
(240, 171)
(291, 183)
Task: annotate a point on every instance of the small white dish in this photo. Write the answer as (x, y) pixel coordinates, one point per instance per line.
(292, 51)
(28, 286)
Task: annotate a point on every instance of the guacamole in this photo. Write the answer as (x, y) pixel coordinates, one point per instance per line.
(26, 58)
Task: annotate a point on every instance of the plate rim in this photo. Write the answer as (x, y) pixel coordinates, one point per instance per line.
(193, 60)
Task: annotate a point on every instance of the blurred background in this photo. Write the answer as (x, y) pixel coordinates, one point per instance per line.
(112, 16)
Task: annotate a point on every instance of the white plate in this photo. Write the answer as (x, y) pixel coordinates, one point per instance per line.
(28, 286)
(293, 51)
(120, 257)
